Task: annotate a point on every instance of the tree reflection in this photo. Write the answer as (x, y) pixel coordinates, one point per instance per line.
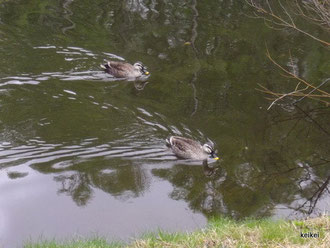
(122, 180)
(271, 171)
(206, 62)
(252, 190)
(76, 185)
(213, 194)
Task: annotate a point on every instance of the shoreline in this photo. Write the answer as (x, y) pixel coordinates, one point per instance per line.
(222, 232)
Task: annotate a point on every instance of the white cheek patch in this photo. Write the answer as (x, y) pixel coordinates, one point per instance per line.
(171, 140)
(207, 149)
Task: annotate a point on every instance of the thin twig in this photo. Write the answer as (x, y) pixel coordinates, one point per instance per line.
(309, 94)
(279, 21)
(294, 76)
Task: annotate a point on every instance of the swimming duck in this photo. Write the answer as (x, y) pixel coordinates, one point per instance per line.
(191, 149)
(120, 69)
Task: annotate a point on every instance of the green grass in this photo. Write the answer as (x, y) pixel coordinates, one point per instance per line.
(81, 243)
(223, 232)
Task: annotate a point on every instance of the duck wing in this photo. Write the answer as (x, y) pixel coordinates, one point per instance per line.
(120, 66)
(184, 144)
(118, 69)
(177, 144)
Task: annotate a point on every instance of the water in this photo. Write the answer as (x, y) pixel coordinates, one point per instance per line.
(82, 153)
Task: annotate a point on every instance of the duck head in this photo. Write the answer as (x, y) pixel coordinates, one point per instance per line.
(140, 67)
(208, 147)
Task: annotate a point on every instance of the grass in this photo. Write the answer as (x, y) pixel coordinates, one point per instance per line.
(223, 233)
(80, 243)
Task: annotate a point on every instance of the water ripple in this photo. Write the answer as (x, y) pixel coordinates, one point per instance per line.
(80, 71)
(63, 156)
(66, 155)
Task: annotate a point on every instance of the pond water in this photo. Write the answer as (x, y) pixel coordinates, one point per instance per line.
(83, 154)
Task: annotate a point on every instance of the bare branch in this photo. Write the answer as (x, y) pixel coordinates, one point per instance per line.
(309, 94)
(294, 76)
(316, 11)
(286, 12)
(298, 91)
(288, 22)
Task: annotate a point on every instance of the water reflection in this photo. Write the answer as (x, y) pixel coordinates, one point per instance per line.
(209, 169)
(250, 191)
(241, 185)
(67, 14)
(75, 137)
(72, 54)
(201, 192)
(124, 182)
(115, 169)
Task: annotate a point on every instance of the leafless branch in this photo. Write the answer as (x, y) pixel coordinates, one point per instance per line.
(300, 89)
(287, 21)
(315, 197)
(316, 11)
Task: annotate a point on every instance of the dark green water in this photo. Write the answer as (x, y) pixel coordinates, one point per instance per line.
(83, 154)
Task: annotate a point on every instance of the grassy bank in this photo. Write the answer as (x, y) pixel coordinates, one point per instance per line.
(227, 233)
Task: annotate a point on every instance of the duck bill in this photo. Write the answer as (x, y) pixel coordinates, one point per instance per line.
(215, 156)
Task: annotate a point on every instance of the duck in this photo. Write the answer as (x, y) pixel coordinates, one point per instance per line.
(186, 148)
(120, 69)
